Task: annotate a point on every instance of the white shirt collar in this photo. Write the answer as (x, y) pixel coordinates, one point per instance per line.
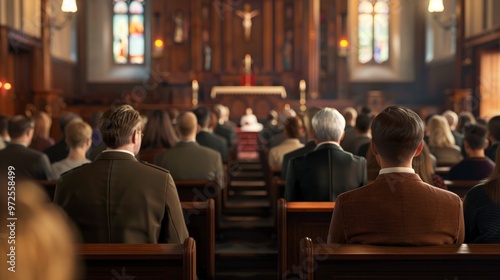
(121, 151)
(396, 170)
(327, 142)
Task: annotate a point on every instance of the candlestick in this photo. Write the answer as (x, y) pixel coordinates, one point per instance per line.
(302, 88)
(195, 87)
(248, 63)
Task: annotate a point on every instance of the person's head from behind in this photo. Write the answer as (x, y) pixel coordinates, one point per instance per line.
(202, 114)
(78, 135)
(4, 133)
(159, 131)
(21, 129)
(439, 132)
(397, 134)
(44, 239)
(121, 128)
(363, 123)
(475, 139)
(66, 118)
(187, 126)
(94, 118)
(350, 114)
(219, 111)
(173, 114)
(294, 128)
(43, 122)
(328, 125)
(494, 129)
(464, 118)
(452, 118)
(248, 111)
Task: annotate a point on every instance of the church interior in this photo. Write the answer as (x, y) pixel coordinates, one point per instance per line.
(86, 56)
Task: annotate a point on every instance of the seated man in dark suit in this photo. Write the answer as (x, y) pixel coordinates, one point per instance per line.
(398, 208)
(476, 166)
(179, 159)
(310, 136)
(493, 136)
(116, 199)
(28, 163)
(223, 128)
(328, 171)
(207, 138)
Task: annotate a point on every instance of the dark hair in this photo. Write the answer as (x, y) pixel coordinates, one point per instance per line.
(397, 131)
(159, 131)
(365, 110)
(293, 126)
(117, 125)
(202, 115)
(94, 118)
(4, 121)
(493, 182)
(494, 127)
(66, 118)
(475, 136)
(363, 123)
(18, 125)
(464, 119)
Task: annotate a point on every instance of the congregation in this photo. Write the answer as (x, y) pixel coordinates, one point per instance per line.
(116, 178)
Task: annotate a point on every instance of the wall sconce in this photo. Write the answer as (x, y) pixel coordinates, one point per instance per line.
(5, 86)
(195, 88)
(343, 45)
(302, 89)
(69, 8)
(436, 8)
(158, 42)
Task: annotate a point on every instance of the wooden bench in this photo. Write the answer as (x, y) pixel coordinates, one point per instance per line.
(139, 261)
(201, 190)
(200, 221)
(297, 220)
(460, 187)
(339, 261)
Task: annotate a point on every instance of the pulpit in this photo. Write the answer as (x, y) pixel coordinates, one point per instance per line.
(261, 99)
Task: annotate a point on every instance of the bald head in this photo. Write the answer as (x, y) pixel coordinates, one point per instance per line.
(187, 125)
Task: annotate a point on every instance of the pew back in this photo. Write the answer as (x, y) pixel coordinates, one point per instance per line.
(297, 220)
(200, 221)
(342, 261)
(460, 187)
(140, 261)
(201, 190)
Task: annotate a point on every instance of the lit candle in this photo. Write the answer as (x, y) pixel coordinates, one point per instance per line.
(248, 62)
(302, 88)
(195, 87)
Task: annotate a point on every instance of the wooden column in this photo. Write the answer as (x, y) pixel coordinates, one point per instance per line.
(46, 81)
(268, 36)
(196, 46)
(312, 38)
(81, 40)
(228, 37)
(279, 32)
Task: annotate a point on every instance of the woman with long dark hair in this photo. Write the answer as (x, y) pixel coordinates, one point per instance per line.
(482, 210)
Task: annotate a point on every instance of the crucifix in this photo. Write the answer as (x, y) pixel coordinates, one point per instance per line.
(247, 14)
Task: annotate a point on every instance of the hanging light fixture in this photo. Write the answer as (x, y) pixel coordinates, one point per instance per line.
(69, 6)
(435, 6)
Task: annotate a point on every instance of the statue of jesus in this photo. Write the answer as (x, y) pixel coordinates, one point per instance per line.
(247, 14)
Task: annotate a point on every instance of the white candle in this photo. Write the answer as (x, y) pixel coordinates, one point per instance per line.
(248, 62)
(302, 88)
(195, 85)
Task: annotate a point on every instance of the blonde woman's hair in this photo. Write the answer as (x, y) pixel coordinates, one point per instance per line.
(423, 165)
(77, 133)
(44, 239)
(439, 132)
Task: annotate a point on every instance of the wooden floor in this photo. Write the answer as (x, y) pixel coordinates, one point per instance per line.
(247, 247)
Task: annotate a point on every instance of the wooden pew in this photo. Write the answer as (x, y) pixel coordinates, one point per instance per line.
(460, 187)
(201, 190)
(343, 261)
(297, 220)
(139, 261)
(200, 221)
(148, 155)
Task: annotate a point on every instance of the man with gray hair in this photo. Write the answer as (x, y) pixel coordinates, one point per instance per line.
(452, 119)
(328, 171)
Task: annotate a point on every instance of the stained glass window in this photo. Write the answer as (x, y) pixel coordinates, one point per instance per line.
(128, 31)
(373, 31)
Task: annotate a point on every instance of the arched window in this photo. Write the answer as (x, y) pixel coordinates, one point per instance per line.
(128, 31)
(373, 31)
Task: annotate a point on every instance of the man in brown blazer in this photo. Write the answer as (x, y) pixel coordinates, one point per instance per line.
(116, 199)
(188, 160)
(398, 208)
